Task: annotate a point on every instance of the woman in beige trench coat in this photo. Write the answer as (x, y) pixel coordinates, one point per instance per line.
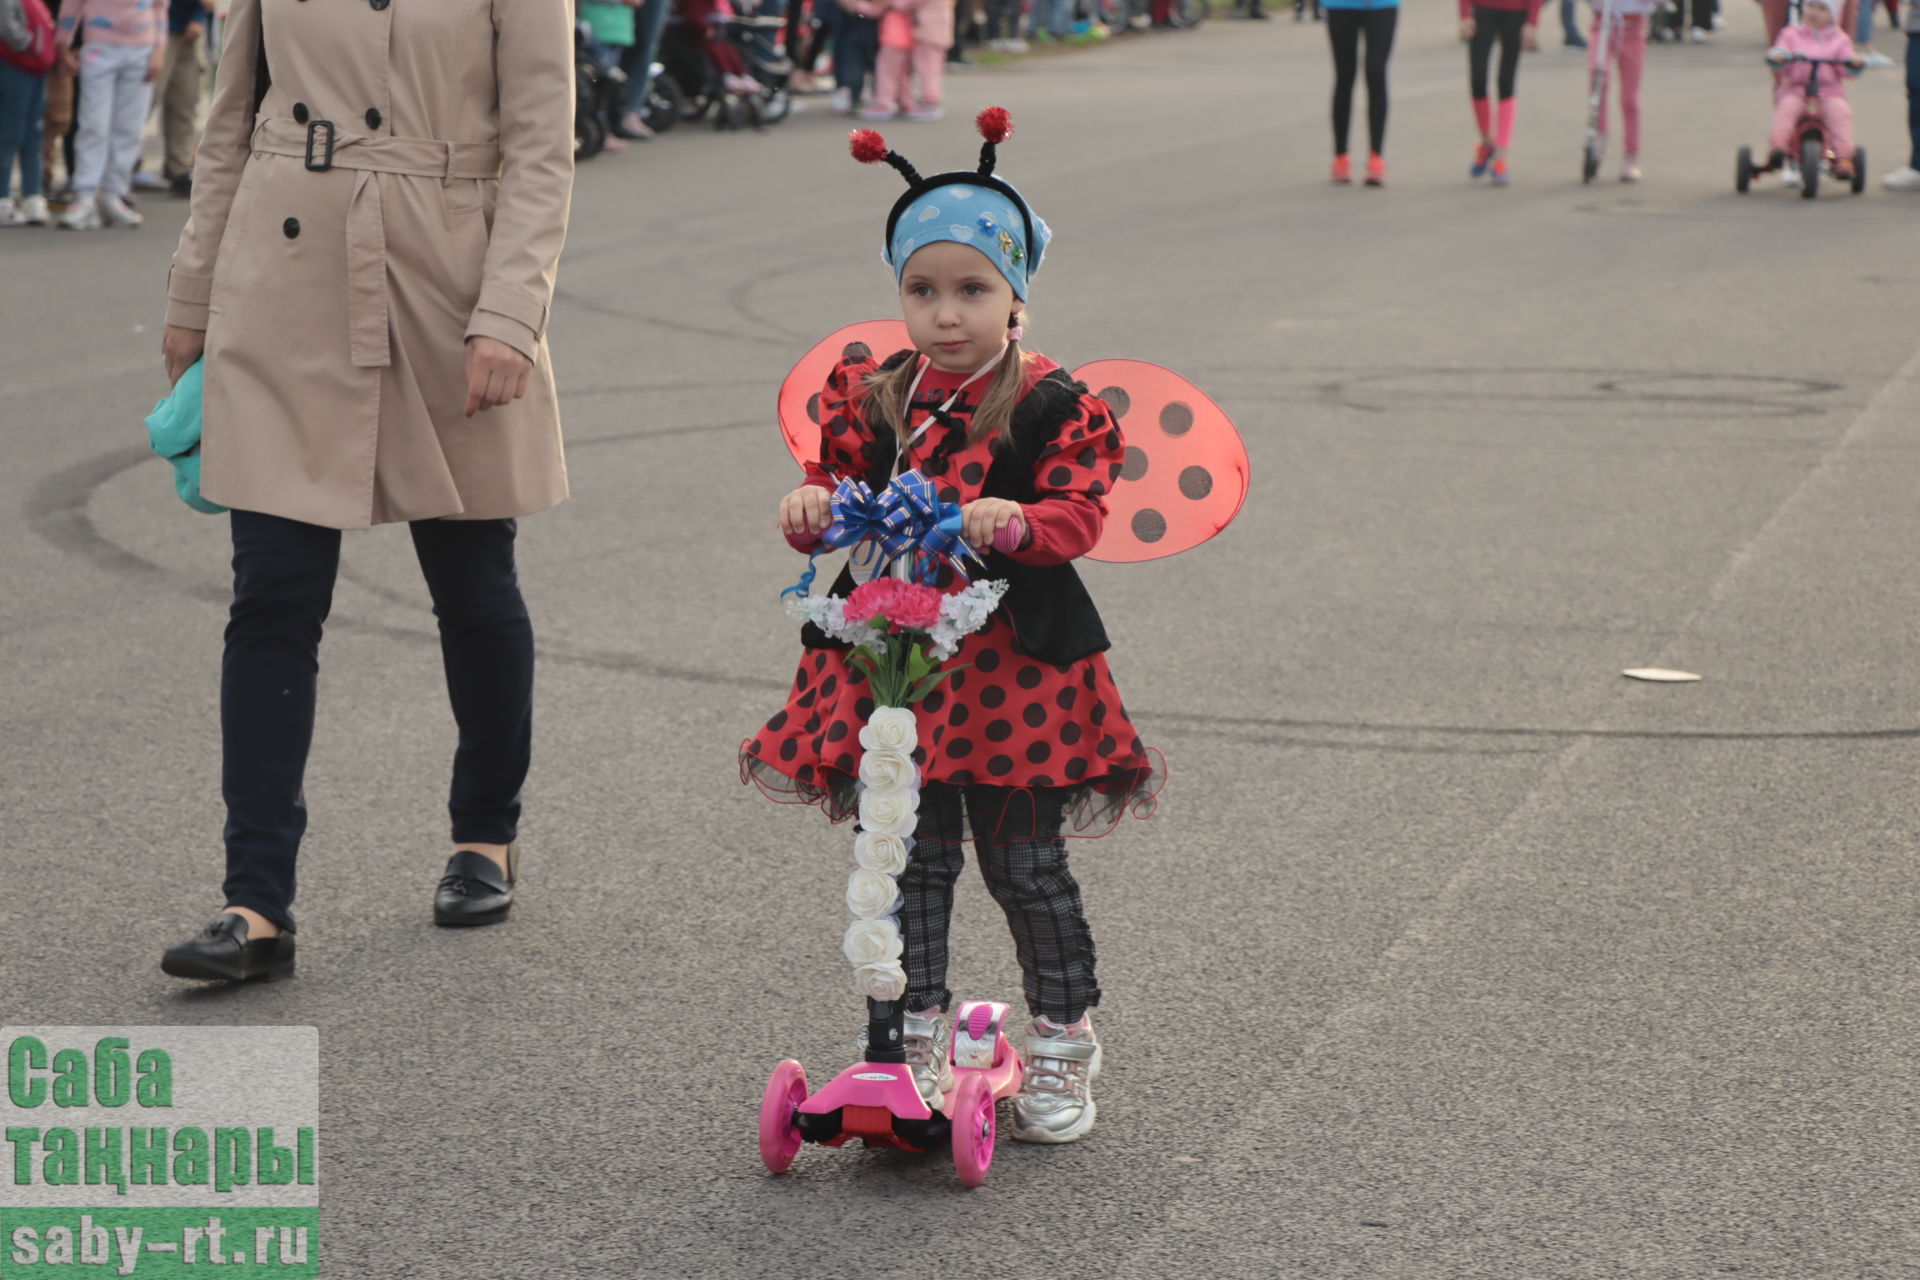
(379, 204)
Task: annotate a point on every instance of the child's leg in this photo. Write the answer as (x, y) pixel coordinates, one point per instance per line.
(890, 79)
(96, 119)
(930, 67)
(927, 886)
(1837, 115)
(1023, 859)
(132, 100)
(1786, 113)
(1632, 60)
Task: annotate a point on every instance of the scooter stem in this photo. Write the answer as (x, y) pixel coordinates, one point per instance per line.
(886, 1030)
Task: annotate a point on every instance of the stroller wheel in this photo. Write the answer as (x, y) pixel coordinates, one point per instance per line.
(1743, 170)
(775, 105)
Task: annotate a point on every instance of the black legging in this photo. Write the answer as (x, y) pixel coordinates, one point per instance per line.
(1344, 28)
(1506, 24)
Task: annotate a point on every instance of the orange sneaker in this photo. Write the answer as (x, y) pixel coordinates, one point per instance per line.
(1499, 175)
(1343, 169)
(1482, 157)
(1376, 170)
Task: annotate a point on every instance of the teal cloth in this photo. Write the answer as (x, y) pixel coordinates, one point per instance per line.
(611, 23)
(173, 429)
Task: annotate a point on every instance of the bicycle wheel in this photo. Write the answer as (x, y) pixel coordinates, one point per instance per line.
(666, 104)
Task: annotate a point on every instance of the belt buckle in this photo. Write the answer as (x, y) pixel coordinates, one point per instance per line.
(326, 160)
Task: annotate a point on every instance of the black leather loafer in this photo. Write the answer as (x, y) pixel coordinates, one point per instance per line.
(222, 952)
(474, 890)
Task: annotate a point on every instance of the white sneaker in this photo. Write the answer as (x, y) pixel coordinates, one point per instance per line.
(1697, 35)
(842, 102)
(1630, 169)
(1905, 178)
(115, 212)
(1875, 58)
(82, 215)
(1055, 1102)
(1790, 177)
(1017, 45)
(11, 214)
(34, 211)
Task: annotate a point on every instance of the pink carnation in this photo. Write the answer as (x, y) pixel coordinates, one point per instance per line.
(915, 607)
(873, 598)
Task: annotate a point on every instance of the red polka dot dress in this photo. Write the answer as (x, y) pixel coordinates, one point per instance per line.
(1006, 719)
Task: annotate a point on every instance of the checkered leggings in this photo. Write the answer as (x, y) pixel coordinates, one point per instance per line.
(1027, 875)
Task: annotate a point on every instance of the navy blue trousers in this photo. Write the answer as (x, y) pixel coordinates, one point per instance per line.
(1913, 96)
(283, 575)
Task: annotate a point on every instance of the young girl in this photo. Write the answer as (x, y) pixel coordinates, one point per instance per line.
(1347, 22)
(1817, 35)
(1028, 742)
(125, 52)
(1627, 47)
(1516, 25)
(914, 38)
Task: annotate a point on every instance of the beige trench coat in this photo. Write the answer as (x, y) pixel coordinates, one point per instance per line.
(337, 300)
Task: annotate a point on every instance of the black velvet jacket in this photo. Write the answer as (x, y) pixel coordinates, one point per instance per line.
(1052, 615)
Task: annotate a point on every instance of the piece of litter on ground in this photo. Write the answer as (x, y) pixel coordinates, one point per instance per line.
(1659, 675)
(1186, 1159)
(1369, 1223)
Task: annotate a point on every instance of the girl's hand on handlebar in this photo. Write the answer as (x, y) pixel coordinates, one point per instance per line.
(808, 510)
(1466, 28)
(983, 518)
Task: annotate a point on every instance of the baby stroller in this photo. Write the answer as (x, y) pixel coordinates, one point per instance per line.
(1809, 145)
(704, 90)
(597, 87)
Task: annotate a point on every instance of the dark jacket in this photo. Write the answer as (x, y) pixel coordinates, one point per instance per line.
(1053, 617)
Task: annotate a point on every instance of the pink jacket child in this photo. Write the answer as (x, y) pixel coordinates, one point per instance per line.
(1815, 36)
(914, 38)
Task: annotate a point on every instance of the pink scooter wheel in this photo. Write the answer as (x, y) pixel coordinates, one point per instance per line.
(780, 1142)
(974, 1124)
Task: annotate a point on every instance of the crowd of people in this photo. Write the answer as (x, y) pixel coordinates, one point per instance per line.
(75, 99)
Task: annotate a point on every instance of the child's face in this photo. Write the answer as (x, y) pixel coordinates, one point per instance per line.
(956, 305)
(1816, 15)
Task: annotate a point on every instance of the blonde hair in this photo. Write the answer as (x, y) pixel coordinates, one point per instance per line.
(887, 394)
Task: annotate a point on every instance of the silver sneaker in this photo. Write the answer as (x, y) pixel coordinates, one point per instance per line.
(1055, 1102)
(927, 1038)
(116, 212)
(82, 215)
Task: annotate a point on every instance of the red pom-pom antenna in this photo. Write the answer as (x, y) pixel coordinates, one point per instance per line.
(867, 146)
(995, 124)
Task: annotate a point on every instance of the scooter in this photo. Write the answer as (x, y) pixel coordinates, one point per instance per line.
(1809, 142)
(876, 1101)
(1597, 81)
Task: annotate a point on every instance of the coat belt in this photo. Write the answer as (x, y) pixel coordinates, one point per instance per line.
(366, 232)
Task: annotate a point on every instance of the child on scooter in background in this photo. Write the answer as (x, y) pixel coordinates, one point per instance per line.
(1816, 35)
(1626, 45)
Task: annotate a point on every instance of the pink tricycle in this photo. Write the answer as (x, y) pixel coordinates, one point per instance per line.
(877, 1102)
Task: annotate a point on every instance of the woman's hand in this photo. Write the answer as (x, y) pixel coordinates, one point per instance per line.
(982, 518)
(496, 374)
(157, 64)
(1530, 37)
(1466, 29)
(807, 511)
(180, 348)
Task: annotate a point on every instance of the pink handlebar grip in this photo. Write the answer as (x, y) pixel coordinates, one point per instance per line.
(1011, 536)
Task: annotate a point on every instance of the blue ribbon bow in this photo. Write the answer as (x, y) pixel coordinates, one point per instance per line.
(907, 518)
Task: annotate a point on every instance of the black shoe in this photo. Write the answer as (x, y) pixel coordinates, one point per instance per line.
(222, 952)
(1576, 42)
(183, 185)
(474, 890)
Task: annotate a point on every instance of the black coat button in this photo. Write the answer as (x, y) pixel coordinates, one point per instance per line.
(300, 112)
(373, 117)
(291, 227)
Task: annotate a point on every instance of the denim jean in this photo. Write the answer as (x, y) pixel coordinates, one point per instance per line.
(1913, 97)
(649, 20)
(23, 100)
(1055, 17)
(856, 43)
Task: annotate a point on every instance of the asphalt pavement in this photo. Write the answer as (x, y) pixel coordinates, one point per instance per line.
(1450, 953)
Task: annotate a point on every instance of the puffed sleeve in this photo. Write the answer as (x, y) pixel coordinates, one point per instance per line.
(224, 150)
(843, 433)
(1072, 476)
(533, 65)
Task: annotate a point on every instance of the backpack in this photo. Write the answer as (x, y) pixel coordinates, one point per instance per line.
(26, 36)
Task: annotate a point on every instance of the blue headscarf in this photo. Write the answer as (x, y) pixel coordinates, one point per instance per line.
(976, 209)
